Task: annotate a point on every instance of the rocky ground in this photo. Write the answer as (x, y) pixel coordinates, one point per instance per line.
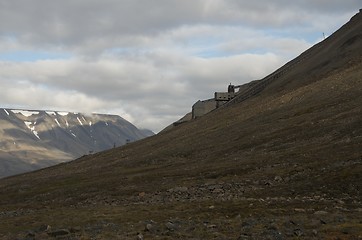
(217, 210)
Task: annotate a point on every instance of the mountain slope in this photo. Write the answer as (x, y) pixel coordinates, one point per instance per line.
(341, 49)
(34, 139)
(285, 163)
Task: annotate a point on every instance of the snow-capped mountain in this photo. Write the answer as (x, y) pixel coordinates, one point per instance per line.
(30, 140)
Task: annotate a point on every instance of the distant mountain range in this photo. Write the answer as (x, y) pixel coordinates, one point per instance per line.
(32, 139)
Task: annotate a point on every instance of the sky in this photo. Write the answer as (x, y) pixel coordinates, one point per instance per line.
(149, 61)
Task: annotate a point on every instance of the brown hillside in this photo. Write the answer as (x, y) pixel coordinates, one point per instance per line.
(283, 164)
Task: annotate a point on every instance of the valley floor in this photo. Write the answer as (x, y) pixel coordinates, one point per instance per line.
(213, 210)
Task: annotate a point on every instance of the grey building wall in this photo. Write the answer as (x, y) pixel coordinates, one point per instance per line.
(200, 108)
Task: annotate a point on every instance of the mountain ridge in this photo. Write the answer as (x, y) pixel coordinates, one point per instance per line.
(51, 137)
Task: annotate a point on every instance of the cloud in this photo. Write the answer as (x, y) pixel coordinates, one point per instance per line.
(149, 61)
(149, 85)
(72, 23)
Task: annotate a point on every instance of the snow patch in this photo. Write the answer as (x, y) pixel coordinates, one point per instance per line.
(36, 134)
(56, 120)
(6, 112)
(32, 128)
(51, 113)
(63, 113)
(72, 133)
(90, 123)
(79, 121)
(25, 113)
(66, 123)
(28, 124)
(106, 123)
(84, 119)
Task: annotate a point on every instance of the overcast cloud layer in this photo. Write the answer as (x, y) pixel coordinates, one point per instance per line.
(150, 60)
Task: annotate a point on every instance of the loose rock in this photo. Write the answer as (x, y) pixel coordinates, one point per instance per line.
(320, 213)
(139, 236)
(170, 226)
(59, 232)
